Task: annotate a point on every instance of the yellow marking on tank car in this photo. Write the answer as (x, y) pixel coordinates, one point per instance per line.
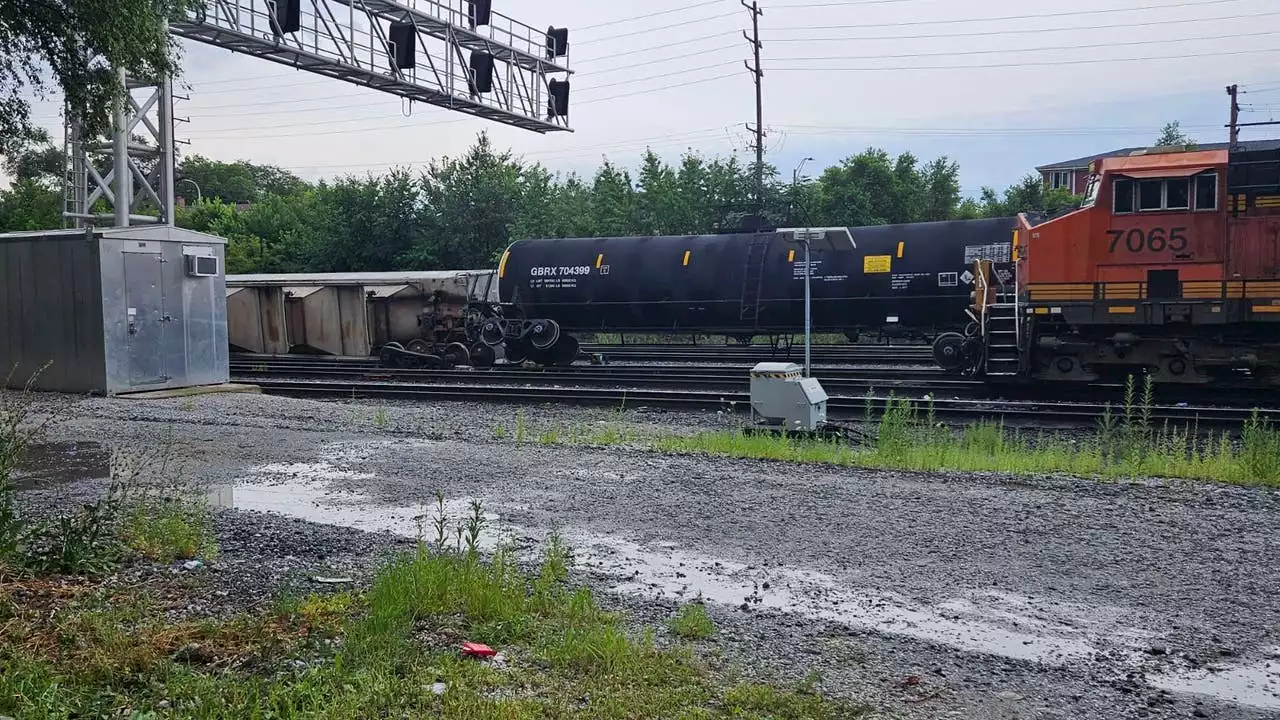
(599, 260)
(876, 264)
(685, 262)
(1042, 311)
(1266, 308)
(1122, 309)
(901, 245)
(791, 256)
(502, 266)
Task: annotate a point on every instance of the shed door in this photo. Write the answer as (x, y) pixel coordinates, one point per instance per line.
(144, 302)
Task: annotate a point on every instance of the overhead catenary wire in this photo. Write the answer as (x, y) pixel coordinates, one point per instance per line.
(1022, 32)
(672, 26)
(1044, 63)
(646, 16)
(1041, 48)
(1004, 18)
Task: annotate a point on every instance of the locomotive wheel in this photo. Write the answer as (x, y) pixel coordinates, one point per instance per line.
(491, 332)
(420, 346)
(564, 352)
(482, 355)
(456, 354)
(517, 353)
(543, 334)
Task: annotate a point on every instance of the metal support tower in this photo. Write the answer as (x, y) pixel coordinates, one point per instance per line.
(132, 170)
(351, 40)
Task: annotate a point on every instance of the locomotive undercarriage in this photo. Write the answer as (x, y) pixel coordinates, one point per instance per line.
(1242, 355)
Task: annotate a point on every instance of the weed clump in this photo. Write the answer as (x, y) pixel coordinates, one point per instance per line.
(1126, 443)
(691, 622)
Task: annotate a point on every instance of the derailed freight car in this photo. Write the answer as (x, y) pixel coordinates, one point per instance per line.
(900, 280)
(426, 312)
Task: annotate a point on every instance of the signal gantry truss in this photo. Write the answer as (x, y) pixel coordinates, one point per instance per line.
(464, 58)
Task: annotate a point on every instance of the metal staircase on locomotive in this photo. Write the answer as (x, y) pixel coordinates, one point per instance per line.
(992, 343)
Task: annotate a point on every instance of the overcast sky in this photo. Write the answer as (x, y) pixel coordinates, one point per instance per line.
(998, 85)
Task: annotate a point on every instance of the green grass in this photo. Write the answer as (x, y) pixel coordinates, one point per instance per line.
(691, 622)
(168, 530)
(88, 651)
(1126, 443)
(903, 442)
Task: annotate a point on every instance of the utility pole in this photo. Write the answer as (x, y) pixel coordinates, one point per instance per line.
(1234, 92)
(758, 72)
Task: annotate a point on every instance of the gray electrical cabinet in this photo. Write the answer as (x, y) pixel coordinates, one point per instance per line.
(782, 397)
(113, 310)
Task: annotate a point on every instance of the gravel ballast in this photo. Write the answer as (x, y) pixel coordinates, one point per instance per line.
(933, 595)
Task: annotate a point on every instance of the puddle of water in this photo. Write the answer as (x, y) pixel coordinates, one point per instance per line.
(1256, 685)
(991, 623)
(60, 462)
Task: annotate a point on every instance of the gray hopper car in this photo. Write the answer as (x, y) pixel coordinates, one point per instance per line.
(355, 314)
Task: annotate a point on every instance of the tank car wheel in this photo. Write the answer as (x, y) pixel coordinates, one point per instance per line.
(456, 354)
(491, 332)
(517, 352)
(395, 345)
(543, 334)
(949, 352)
(388, 357)
(482, 355)
(564, 352)
(420, 346)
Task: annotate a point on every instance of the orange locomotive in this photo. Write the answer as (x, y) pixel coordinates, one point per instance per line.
(1171, 268)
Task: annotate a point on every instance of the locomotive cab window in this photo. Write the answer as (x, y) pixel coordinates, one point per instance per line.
(1207, 191)
(1150, 195)
(1177, 194)
(1124, 191)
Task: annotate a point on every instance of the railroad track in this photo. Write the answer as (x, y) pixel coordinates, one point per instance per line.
(718, 378)
(915, 354)
(1040, 414)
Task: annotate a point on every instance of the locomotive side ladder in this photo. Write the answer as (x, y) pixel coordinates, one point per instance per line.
(1000, 325)
(752, 278)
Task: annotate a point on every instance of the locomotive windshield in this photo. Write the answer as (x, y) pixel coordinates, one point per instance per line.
(1091, 191)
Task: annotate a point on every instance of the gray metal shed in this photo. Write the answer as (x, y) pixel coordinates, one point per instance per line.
(113, 310)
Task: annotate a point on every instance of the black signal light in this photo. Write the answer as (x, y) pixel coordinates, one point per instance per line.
(558, 100)
(286, 16)
(481, 71)
(557, 42)
(404, 45)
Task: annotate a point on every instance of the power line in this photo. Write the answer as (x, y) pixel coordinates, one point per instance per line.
(239, 134)
(1070, 13)
(593, 72)
(655, 77)
(656, 29)
(1087, 61)
(989, 33)
(648, 15)
(1026, 50)
(665, 45)
(618, 145)
(826, 130)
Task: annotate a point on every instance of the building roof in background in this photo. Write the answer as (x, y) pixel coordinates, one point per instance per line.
(1082, 163)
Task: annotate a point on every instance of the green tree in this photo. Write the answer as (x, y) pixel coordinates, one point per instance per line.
(73, 44)
(367, 224)
(1171, 135)
(236, 182)
(613, 201)
(469, 207)
(1028, 195)
(30, 205)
